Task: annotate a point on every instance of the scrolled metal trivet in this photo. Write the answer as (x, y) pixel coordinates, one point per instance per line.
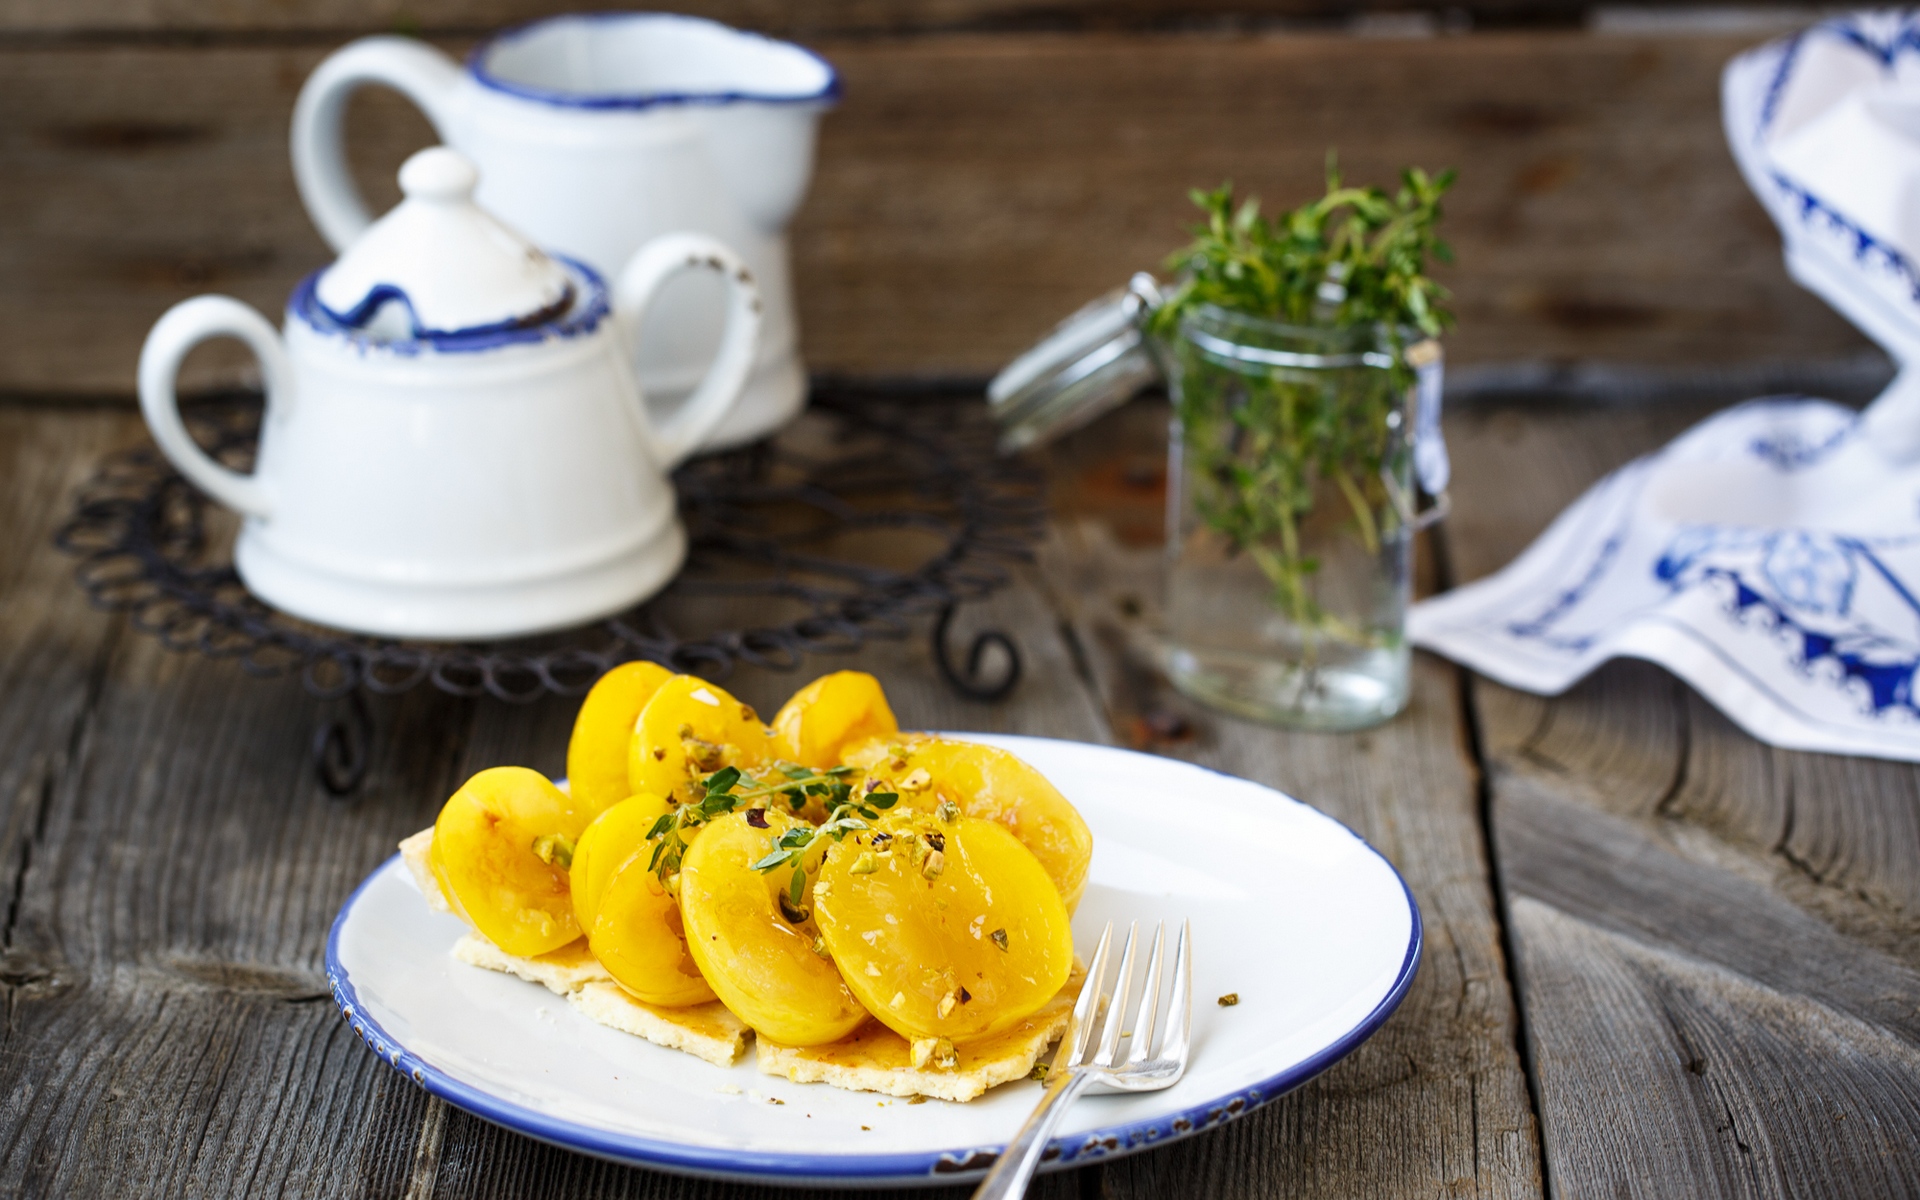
(762, 523)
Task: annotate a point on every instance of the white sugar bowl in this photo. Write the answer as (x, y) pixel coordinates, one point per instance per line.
(454, 444)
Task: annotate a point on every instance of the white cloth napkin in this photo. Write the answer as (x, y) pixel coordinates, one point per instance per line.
(1770, 556)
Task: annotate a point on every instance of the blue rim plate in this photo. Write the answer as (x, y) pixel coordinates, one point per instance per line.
(1311, 928)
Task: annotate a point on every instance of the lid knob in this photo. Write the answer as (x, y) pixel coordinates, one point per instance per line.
(439, 174)
(439, 264)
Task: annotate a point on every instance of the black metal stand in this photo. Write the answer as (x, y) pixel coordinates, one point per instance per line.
(785, 523)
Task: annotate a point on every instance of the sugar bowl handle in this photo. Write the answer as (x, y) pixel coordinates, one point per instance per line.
(654, 264)
(185, 326)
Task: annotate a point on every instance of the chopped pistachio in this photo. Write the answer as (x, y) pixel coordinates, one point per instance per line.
(819, 947)
(936, 840)
(947, 1003)
(916, 781)
(935, 1052)
(1230, 999)
(936, 863)
(1039, 1073)
(999, 937)
(556, 850)
(949, 812)
(866, 864)
(899, 1000)
(747, 713)
(705, 756)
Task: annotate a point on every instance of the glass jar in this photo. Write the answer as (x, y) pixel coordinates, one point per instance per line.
(1290, 514)
(1291, 503)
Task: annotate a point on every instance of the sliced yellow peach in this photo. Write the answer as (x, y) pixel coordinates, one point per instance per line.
(602, 733)
(638, 936)
(943, 929)
(829, 714)
(500, 850)
(609, 841)
(689, 729)
(631, 920)
(760, 952)
(989, 783)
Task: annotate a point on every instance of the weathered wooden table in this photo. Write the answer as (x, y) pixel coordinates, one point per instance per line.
(1661, 959)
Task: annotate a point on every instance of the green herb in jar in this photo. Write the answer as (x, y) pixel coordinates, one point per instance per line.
(1261, 443)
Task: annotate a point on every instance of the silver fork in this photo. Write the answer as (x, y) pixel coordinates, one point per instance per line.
(1074, 1071)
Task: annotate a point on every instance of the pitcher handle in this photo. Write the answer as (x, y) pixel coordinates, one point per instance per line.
(720, 389)
(185, 326)
(419, 72)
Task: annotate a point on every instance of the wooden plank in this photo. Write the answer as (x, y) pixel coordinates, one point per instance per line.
(1729, 1092)
(56, 647)
(173, 870)
(1717, 941)
(136, 1026)
(1436, 1102)
(972, 190)
(837, 18)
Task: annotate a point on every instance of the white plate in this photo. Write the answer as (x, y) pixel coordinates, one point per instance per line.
(1314, 930)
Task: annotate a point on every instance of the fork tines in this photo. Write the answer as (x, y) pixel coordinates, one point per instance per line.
(1141, 1059)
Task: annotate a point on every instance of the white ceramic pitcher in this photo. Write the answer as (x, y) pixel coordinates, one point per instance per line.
(597, 133)
(454, 445)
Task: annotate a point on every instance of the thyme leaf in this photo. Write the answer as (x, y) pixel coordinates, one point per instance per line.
(721, 793)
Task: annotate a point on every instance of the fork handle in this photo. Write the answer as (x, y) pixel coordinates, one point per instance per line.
(1017, 1163)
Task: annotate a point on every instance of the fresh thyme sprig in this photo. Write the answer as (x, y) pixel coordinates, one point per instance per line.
(1356, 257)
(718, 798)
(844, 817)
(1266, 447)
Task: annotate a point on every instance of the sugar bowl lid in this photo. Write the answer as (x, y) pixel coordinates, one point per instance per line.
(439, 264)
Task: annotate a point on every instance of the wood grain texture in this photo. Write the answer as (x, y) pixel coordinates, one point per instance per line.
(787, 18)
(1436, 1102)
(1730, 1090)
(50, 669)
(972, 190)
(1717, 942)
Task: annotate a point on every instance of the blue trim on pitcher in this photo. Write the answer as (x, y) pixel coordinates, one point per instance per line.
(635, 101)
